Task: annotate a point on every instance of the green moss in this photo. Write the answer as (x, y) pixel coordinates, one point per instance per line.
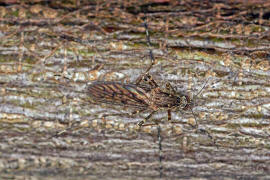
(15, 13)
(217, 40)
(29, 60)
(86, 52)
(257, 28)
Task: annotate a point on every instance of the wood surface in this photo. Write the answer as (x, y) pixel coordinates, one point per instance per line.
(50, 51)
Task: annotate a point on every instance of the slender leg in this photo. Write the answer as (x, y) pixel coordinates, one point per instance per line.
(136, 112)
(153, 62)
(196, 124)
(170, 88)
(202, 130)
(145, 75)
(64, 130)
(117, 114)
(169, 115)
(149, 45)
(160, 151)
(145, 119)
(149, 79)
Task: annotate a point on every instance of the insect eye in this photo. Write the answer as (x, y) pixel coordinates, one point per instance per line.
(182, 101)
(178, 100)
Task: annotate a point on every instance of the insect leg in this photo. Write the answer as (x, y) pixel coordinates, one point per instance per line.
(149, 79)
(118, 114)
(202, 130)
(160, 151)
(196, 124)
(153, 62)
(76, 125)
(170, 88)
(138, 111)
(169, 115)
(115, 114)
(149, 45)
(145, 119)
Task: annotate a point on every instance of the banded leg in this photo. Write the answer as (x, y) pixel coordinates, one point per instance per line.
(145, 119)
(160, 151)
(149, 79)
(153, 62)
(149, 45)
(170, 88)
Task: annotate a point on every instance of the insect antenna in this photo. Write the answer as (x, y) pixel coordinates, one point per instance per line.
(205, 84)
(191, 109)
(194, 102)
(149, 44)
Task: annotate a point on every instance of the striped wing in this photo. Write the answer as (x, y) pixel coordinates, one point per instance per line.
(119, 93)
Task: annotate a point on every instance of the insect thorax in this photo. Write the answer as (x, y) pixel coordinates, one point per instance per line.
(165, 100)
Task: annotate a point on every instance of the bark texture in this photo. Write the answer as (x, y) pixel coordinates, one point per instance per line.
(51, 51)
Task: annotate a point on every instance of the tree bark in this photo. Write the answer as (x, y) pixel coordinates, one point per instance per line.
(51, 52)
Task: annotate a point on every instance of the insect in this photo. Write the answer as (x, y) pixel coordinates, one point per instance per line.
(140, 96)
(143, 97)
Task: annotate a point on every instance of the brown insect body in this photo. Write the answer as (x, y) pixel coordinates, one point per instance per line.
(137, 96)
(166, 100)
(141, 96)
